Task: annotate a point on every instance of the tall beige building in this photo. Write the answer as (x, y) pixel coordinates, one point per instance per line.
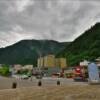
(57, 61)
(40, 62)
(61, 62)
(49, 61)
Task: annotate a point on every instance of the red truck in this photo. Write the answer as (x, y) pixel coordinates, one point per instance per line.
(78, 74)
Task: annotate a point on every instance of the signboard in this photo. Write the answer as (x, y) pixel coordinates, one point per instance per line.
(93, 73)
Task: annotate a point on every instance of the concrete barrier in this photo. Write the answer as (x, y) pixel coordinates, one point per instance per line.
(58, 82)
(14, 85)
(39, 83)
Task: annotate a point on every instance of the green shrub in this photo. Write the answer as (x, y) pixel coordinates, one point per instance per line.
(4, 70)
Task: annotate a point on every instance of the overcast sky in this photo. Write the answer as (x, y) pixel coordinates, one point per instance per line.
(61, 20)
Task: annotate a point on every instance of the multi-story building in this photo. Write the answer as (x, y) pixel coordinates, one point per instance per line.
(61, 62)
(40, 62)
(57, 61)
(50, 61)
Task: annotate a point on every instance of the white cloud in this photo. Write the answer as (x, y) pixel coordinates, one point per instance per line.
(17, 28)
(22, 4)
(61, 20)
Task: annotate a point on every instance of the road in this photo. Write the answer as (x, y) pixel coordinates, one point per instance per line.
(6, 83)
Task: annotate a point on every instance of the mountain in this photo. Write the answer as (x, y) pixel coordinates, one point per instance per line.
(86, 46)
(27, 51)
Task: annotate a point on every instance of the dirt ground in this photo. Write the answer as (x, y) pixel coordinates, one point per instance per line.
(68, 92)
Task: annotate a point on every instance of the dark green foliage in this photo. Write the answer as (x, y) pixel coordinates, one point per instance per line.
(86, 46)
(4, 70)
(27, 51)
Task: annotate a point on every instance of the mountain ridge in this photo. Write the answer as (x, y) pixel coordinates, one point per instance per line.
(27, 51)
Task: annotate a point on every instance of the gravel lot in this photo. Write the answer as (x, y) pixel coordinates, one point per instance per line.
(28, 90)
(6, 83)
(68, 92)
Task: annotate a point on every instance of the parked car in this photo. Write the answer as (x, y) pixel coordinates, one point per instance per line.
(39, 76)
(24, 77)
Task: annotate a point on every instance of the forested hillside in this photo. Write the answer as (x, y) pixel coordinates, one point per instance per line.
(27, 51)
(86, 46)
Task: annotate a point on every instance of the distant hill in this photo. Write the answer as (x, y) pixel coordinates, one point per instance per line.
(86, 46)
(27, 51)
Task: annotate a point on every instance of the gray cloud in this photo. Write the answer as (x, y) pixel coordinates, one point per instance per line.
(61, 20)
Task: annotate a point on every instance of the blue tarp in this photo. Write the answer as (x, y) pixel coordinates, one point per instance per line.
(93, 72)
